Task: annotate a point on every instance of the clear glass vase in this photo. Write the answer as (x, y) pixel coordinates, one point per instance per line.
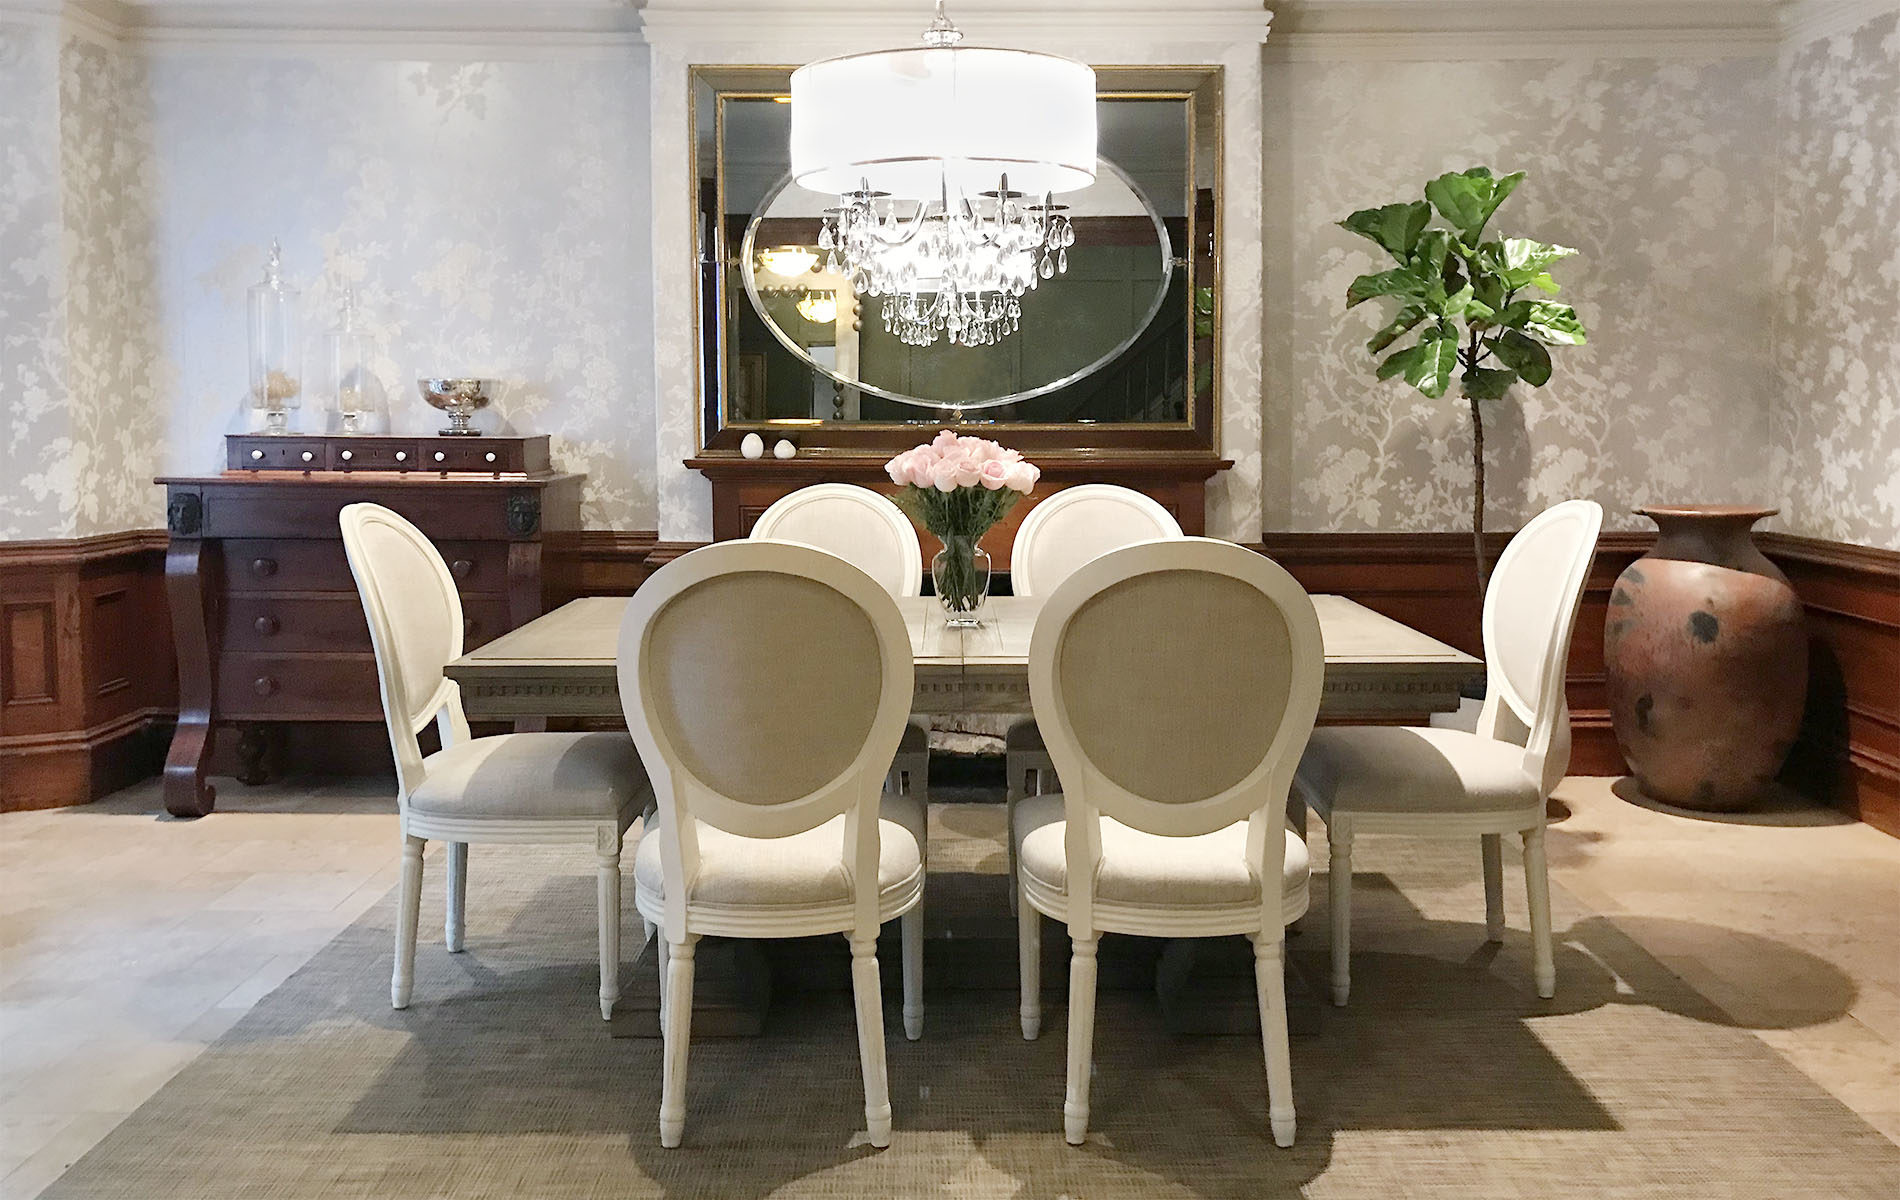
(276, 346)
(961, 574)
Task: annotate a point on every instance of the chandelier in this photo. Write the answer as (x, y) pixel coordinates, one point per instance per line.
(935, 152)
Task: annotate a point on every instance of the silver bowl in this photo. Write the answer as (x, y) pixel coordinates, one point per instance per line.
(459, 398)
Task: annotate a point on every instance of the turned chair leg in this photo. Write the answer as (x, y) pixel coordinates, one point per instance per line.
(1075, 1106)
(1493, 887)
(408, 914)
(911, 927)
(1339, 907)
(1270, 983)
(457, 889)
(1029, 956)
(608, 900)
(676, 1027)
(1537, 889)
(868, 997)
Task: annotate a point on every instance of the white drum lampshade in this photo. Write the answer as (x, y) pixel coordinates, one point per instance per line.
(914, 121)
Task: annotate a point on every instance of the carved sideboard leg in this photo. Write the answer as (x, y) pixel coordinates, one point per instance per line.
(253, 744)
(186, 792)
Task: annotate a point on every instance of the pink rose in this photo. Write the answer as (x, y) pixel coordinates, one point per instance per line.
(995, 474)
(969, 472)
(899, 468)
(1021, 477)
(917, 467)
(944, 443)
(943, 475)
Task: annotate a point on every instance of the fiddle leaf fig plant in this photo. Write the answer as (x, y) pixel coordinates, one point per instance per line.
(1474, 304)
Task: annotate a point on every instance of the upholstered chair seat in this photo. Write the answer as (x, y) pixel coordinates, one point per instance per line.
(804, 870)
(1389, 768)
(595, 776)
(1205, 871)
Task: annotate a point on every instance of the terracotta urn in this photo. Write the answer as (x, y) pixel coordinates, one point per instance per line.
(1707, 660)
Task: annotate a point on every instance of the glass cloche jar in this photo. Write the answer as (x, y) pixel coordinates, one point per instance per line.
(348, 381)
(276, 352)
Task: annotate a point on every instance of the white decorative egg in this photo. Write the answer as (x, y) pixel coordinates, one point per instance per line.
(752, 446)
(784, 449)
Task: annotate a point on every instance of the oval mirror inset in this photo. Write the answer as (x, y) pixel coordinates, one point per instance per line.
(1073, 324)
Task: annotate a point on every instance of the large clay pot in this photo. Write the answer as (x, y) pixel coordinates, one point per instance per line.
(1707, 660)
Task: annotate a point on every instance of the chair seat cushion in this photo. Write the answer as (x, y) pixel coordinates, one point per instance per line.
(1145, 868)
(1391, 769)
(1025, 735)
(803, 869)
(534, 775)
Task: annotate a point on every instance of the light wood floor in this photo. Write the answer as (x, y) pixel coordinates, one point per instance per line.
(129, 941)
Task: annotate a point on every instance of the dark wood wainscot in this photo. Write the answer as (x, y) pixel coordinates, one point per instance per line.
(743, 488)
(264, 610)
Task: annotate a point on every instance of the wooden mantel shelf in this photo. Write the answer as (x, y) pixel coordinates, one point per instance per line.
(743, 488)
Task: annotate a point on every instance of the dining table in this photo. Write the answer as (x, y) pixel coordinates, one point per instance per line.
(560, 667)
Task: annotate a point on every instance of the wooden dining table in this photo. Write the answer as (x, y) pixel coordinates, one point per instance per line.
(561, 664)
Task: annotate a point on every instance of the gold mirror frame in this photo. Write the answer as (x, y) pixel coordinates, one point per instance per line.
(1198, 86)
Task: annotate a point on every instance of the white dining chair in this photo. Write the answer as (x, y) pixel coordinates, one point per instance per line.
(1064, 531)
(572, 788)
(1441, 782)
(867, 530)
(767, 685)
(1176, 682)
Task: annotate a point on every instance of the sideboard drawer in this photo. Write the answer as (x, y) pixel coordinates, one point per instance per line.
(304, 687)
(283, 624)
(279, 453)
(320, 565)
(375, 454)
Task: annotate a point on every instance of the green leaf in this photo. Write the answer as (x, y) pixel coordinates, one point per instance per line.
(1545, 284)
(1489, 290)
(1430, 372)
(1399, 360)
(1466, 200)
(1428, 259)
(1487, 383)
(1464, 303)
(1402, 324)
(1395, 226)
(1554, 324)
(1526, 357)
(1400, 281)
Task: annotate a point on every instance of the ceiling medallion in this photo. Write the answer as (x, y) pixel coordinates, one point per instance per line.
(934, 152)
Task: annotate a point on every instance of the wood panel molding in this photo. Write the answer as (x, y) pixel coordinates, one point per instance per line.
(88, 682)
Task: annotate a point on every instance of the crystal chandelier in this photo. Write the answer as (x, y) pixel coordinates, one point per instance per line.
(934, 152)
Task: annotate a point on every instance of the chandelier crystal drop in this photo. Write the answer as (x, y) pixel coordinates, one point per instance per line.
(926, 149)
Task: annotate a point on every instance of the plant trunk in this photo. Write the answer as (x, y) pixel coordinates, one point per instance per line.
(1477, 501)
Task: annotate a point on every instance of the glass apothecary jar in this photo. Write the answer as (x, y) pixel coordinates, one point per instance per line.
(276, 351)
(348, 382)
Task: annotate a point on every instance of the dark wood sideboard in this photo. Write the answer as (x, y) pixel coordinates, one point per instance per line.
(743, 488)
(265, 614)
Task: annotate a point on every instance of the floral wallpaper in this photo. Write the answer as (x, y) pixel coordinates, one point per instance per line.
(1836, 410)
(1653, 170)
(491, 216)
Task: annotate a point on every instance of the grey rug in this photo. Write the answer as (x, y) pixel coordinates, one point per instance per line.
(1446, 1077)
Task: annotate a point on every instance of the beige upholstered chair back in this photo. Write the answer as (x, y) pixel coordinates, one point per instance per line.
(767, 685)
(854, 523)
(415, 628)
(1176, 683)
(1078, 524)
(1529, 614)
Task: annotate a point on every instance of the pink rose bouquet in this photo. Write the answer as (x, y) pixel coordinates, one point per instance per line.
(957, 488)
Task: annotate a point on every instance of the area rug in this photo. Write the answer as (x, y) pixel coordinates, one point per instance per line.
(1446, 1077)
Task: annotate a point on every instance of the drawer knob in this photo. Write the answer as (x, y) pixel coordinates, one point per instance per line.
(462, 568)
(490, 456)
(264, 685)
(263, 568)
(439, 456)
(402, 456)
(347, 455)
(308, 455)
(256, 455)
(265, 625)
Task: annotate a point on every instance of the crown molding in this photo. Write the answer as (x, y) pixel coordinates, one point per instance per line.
(1804, 21)
(830, 23)
(1450, 30)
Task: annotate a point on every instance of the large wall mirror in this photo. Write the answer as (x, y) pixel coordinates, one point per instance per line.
(1114, 347)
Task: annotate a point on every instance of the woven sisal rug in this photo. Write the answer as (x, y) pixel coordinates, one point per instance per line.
(1445, 1078)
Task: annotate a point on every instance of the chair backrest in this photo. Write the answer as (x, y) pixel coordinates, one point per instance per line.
(767, 685)
(854, 523)
(1078, 524)
(1176, 683)
(1530, 612)
(415, 628)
